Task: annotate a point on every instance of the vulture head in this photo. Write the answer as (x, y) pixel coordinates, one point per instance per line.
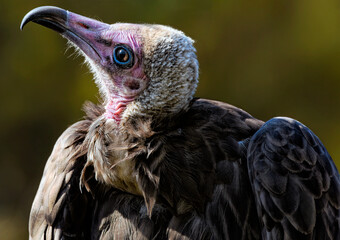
(144, 72)
(140, 69)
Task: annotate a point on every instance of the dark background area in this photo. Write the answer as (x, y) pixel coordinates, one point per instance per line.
(270, 58)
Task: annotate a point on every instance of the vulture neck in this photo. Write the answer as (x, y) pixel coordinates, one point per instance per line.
(115, 108)
(124, 111)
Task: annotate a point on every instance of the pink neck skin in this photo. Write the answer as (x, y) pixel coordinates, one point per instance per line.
(115, 108)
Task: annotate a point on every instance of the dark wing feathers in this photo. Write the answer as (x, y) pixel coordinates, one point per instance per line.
(58, 208)
(176, 164)
(231, 212)
(295, 182)
(195, 173)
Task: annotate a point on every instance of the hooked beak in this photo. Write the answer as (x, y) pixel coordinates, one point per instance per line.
(84, 32)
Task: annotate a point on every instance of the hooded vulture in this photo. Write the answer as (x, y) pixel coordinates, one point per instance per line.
(153, 162)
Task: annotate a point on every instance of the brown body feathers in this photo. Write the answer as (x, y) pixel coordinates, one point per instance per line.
(178, 166)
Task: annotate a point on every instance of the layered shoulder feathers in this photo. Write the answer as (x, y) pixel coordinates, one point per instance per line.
(214, 172)
(179, 170)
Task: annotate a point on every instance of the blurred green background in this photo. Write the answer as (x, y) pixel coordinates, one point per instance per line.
(271, 58)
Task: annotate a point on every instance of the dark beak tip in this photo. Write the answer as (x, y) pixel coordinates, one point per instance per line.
(24, 21)
(22, 24)
(42, 12)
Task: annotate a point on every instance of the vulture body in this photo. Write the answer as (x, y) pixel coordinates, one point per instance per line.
(152, 162)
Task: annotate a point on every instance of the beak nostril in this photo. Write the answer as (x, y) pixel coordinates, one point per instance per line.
(83, 25)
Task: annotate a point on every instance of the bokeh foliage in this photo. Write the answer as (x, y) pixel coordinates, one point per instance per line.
(271, 58)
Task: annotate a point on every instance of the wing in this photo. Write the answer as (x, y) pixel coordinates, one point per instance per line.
(230, 212)
(295, 182)
(59, 208)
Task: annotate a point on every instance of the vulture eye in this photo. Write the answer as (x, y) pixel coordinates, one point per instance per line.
(123, 56)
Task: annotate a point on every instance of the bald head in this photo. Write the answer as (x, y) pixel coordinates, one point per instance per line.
(140, 69)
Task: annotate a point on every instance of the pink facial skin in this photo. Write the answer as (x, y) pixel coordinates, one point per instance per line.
(98, 40)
